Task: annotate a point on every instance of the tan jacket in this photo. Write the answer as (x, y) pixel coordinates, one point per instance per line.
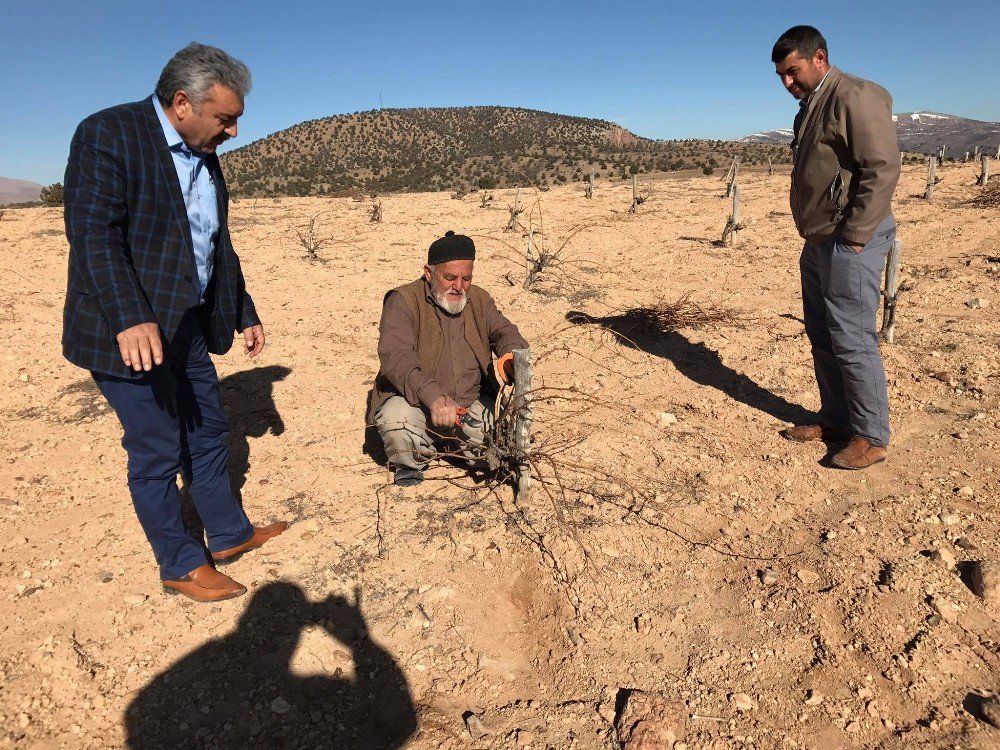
(412, 342)
(846, 160)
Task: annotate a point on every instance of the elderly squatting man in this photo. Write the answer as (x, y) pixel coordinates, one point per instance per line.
(437, 378)
(845, 168)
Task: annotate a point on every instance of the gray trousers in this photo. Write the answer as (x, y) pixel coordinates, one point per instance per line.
(840, 296)
(409, 436)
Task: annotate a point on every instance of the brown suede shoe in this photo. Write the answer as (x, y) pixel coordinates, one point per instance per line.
(859, 454)
(205, 584)
(805, 433)
(260, 535)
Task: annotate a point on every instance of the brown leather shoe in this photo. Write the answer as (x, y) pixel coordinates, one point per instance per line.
(859, 454)
(805, 433)
(260, 535)
(205, 584)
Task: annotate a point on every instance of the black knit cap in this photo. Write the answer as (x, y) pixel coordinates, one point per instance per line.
(451, 247)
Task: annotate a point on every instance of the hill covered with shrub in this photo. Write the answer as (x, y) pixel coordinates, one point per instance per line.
(462, 148)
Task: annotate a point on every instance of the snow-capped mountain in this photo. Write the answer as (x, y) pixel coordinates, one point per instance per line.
(923, 132)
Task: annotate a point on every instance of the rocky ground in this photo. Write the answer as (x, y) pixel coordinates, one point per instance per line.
(695, 581)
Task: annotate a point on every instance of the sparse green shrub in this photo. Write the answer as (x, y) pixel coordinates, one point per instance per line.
(52, 195)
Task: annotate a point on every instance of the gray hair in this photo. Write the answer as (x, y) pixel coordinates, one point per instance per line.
(198, 67)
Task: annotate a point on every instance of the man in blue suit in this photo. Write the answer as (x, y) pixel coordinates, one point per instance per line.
(154, 286)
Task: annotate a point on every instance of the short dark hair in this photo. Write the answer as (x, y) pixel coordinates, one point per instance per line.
(806, 40)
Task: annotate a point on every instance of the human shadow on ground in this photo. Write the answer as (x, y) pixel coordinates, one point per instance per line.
(698, 363)
(248, 401)
(238, 691)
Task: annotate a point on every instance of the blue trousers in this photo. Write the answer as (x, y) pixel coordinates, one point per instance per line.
(173, 423)
(840, 296)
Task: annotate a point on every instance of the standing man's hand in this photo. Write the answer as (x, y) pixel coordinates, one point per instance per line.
(254, 340)
(141, 346)
(444, 411)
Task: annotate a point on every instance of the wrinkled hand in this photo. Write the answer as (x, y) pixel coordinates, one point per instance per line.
(444, 411)
(254, 340)
(141, 346)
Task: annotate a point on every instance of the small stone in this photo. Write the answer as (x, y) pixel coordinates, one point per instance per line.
(742, 702)
(813, 698)
(666, 419)
(807, 577)
(986, 580)
(966, 544)
(829, 535)
(104, 577)
(280, 706)
(768, 577)
(650, 721)
(965, 491)
(978, 303)
(475, 725)
(949, 519)
(525, 738)
(23, 720)
(852, 727)
(990, 711)
(961, 435)
(944, 608)
(945, 557)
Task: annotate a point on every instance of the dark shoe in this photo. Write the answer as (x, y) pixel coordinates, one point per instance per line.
(808, 432)
(205, 584)
(407, 477)
(859, 454)
(260, 535)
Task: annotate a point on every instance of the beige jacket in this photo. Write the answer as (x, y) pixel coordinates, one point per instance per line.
(846, 160)
(420, 364)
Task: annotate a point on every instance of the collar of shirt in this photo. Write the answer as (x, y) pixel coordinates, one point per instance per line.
(174, 140)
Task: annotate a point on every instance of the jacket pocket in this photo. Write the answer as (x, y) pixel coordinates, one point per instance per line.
(835, 194)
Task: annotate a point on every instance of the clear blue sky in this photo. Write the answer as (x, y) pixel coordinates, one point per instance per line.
(661, 69)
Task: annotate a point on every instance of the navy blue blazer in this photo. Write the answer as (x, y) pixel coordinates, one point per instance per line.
(131, 258)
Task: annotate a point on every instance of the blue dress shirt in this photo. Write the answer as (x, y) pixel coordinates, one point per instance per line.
(198, 189)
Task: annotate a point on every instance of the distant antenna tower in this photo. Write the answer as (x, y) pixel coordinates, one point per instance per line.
(380, 100)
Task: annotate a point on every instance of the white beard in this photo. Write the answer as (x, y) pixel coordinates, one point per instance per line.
(452, 308)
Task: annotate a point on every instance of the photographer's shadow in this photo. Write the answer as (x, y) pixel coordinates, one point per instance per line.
(700, 364)
(238, 691)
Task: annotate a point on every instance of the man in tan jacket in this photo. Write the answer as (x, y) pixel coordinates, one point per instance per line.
(845, 169)
(437, 339)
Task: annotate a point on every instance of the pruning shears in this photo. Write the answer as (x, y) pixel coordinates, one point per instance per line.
(464, 418)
